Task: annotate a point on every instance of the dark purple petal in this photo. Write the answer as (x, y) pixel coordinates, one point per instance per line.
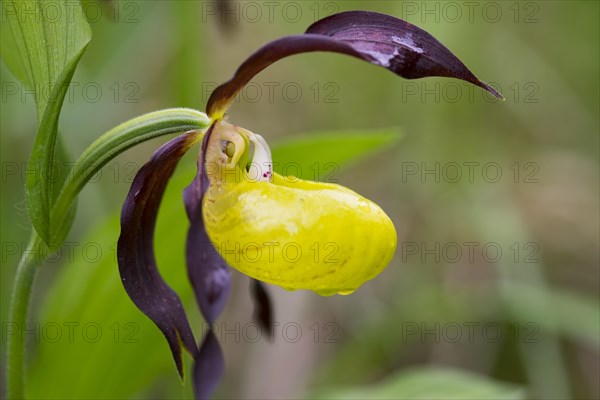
(135, 248)
(379, 39)
(263, 311)
(209, 274)
(208, 367)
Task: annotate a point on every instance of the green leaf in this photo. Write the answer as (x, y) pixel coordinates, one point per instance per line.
(42, 44)
(41, 41)
(320, 155)
(88, 292)
(431, 383)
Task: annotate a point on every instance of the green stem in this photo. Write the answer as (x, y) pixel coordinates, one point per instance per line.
(17, 317)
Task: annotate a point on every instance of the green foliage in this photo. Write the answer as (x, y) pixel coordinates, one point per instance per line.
(43, 50)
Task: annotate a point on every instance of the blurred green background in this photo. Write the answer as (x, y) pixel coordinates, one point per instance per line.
(493, 291)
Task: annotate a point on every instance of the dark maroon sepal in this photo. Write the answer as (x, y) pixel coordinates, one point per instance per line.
(135, 248)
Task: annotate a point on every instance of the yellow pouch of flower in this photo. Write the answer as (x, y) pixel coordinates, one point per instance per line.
(286, 231)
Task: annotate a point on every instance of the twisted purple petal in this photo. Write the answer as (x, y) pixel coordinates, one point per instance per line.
(135, 248)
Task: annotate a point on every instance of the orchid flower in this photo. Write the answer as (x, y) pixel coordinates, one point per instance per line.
(242, 214)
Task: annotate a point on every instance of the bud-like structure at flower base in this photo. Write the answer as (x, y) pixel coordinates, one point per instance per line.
(286, 231)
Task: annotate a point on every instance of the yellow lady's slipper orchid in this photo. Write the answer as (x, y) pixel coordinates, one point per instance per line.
(282, 230)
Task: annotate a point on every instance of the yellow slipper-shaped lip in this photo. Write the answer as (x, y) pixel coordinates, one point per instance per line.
(286, 231)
